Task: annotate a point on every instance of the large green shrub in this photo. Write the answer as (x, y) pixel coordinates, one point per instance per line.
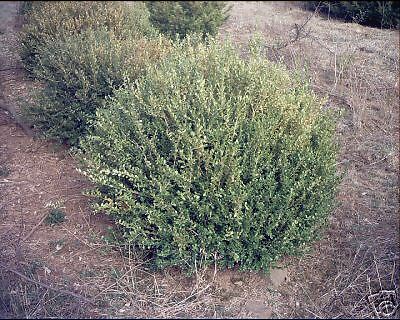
(183, 17)
(78, 72)
(382, 14)
(55, 20)
(212, 156)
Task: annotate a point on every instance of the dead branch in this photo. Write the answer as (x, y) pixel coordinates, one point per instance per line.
(299, 31)
(12, 110)
(66, 292)
(11, 68)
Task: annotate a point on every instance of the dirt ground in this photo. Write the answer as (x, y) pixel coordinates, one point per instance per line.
(70, 269)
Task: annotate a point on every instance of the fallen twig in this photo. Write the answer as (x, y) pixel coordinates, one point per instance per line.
(35, 227)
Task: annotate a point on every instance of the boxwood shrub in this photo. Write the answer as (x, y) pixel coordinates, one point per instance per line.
(78, 72)
(46, 21)
(179, 18)
(211, 156)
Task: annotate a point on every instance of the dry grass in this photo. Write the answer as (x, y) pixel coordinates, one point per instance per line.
(58, 267)
(355, 67)
(133, 290)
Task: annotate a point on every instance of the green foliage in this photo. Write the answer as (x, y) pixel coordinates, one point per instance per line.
(26, 6)
(213, 156)
(47, 21)
(55, 216)
(382, 14)
(184, 17)
(78, 72)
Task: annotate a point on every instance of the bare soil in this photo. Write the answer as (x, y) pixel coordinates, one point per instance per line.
(49, 270)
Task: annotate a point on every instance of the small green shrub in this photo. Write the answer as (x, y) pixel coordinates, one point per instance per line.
(57, 20)
(210, 155)
(382, 14)
(26, 6)
(183, 17)
(55, 216)
(78, 72)
(4, 171)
